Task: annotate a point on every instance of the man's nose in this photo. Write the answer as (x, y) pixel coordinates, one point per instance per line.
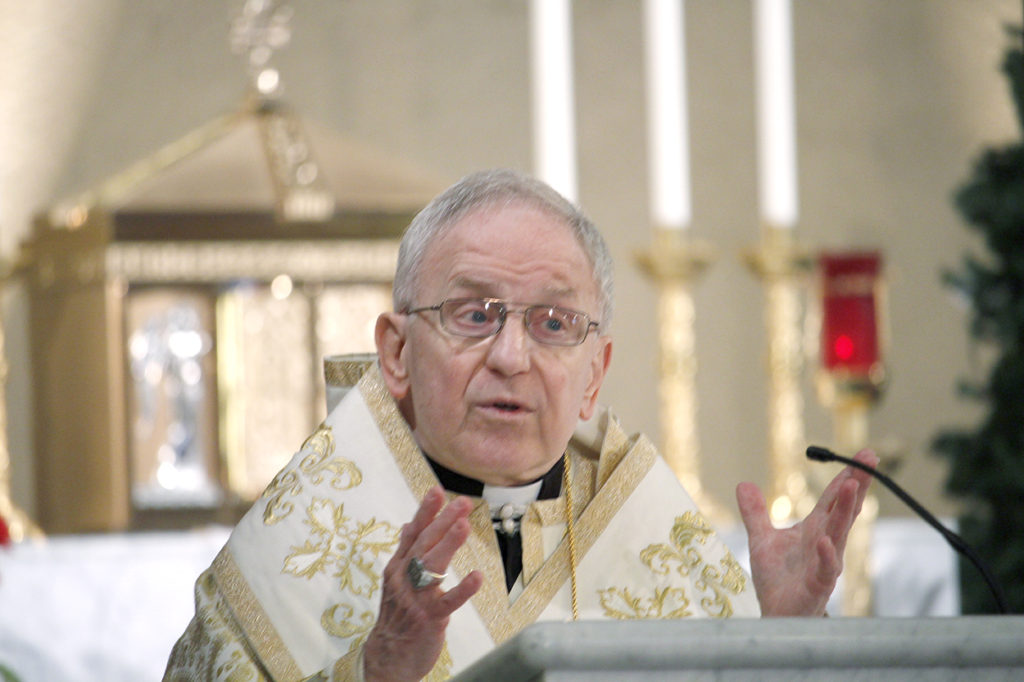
(509, 352)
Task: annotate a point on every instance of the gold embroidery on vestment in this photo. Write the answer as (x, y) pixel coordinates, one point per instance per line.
(341, 620)
(351, 551)
(346, 370)
(680, 556)
(667, 602)
(593, 513)
(397, 436)
(340, 543)
(318, 466)
(249, 613)
(613, 448)
(236, 669)
(212, 645)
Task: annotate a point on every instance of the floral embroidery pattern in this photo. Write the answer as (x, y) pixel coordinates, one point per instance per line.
(346, 549)
(667, 602)
(343, 544)
(338, 545)
(210, 648)
(680, 556)
(317, 466)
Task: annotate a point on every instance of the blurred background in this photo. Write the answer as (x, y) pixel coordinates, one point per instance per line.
(893, 102)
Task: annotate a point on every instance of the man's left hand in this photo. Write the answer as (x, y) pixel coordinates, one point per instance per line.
(795, 569)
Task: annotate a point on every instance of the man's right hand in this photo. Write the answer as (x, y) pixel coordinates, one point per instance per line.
(410, 631)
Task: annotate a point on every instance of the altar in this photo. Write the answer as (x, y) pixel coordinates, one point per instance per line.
(109, 607)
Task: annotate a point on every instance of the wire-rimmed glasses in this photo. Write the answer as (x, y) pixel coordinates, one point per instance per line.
(479, 318)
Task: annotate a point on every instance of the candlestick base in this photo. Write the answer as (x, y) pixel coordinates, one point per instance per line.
(851, 435)
(675, 263)
(851, 395)
(783, 265)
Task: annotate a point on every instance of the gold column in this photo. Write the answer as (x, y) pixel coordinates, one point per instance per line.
(782, 266)
(850, 383)
(674, 263)
(851, 435)
(851, 398)
(18, 523)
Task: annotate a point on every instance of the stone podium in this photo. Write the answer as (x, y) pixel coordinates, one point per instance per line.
(967, 648)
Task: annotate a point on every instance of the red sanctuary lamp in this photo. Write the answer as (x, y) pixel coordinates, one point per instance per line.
(850, 382)
(851, 328)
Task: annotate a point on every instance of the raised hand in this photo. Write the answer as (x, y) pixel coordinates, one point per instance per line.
(410, 630)
(795, 569)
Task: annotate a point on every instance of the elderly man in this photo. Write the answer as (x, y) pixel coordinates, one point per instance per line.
(470, 484)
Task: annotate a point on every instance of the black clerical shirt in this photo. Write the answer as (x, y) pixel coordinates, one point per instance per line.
(511, 544)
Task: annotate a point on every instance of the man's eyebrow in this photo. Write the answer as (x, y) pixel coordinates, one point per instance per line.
(475, 285)
(560, 292)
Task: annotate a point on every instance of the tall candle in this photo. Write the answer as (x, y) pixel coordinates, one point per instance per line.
(668, 155)
(553, 101)
(776, 119)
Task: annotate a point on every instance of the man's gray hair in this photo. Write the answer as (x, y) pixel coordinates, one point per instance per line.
(489, 189)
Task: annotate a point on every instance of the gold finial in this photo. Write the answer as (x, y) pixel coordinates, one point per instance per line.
(262, 27)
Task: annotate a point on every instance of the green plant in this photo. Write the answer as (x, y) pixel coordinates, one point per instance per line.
(987, 462)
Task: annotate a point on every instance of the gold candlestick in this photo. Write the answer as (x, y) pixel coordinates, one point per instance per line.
(782, 265)
(675, 262)
(19, 525)
(850, 383)
(851, 397)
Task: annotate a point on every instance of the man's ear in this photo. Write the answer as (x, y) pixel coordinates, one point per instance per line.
(598, 369)
(389, 335)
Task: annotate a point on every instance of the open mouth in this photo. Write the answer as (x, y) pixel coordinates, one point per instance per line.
(506, 407)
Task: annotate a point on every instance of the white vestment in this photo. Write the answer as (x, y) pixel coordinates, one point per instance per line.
(295, 591)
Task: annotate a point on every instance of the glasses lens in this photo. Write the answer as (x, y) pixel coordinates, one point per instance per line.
(556, 326)
(471, 316)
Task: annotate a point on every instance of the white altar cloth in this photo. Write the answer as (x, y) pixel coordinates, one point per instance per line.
(108, 608)
(94, 608)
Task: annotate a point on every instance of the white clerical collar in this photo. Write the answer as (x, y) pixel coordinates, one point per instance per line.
(519, 495)
(509, 504)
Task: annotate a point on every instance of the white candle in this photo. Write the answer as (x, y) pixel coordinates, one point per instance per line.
(553, 102)
(776, 119)
(668, 155)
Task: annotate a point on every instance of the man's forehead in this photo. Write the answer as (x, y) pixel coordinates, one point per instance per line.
(488, 247)
(483, 287)
(471, 224)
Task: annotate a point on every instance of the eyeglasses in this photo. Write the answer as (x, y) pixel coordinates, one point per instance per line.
(479, 318)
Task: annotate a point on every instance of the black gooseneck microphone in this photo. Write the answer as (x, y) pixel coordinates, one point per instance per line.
(820, 454)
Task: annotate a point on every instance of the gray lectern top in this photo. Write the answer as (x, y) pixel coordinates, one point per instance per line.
(972, 648)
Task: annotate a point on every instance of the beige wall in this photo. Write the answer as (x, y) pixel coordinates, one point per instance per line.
(895, 98)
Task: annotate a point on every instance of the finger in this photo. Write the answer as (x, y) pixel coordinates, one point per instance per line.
(868, 457)
(454, 598)
(826, 503)
(428, 509)
(455, 512)
(863, 478)
(829, 496)
(753, 509)
(841, 517)
(440, 555)
(829, 560)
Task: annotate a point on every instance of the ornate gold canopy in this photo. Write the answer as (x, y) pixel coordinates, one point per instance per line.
(181, 308)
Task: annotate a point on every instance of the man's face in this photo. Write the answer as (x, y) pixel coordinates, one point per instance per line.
(500, 409)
